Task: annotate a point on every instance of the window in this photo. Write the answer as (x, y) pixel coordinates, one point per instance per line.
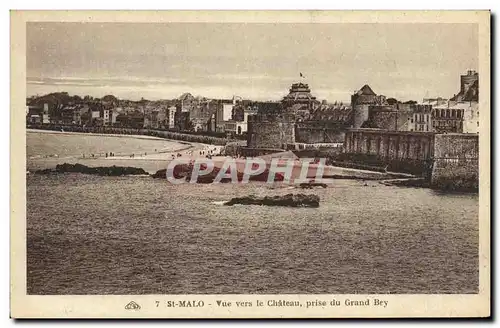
(411, 121)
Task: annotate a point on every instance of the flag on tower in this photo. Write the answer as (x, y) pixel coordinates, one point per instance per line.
(301, 75)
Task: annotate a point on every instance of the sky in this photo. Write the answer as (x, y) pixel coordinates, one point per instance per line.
(253, 61)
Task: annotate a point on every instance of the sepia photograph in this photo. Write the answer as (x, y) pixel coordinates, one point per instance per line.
(317, 163)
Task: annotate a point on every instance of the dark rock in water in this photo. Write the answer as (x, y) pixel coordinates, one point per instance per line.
(103, 171)
(180, 171)
(45, 171)
(310, 185)
(210, 177)
(290, 200)
(185, 171)
(160, 174)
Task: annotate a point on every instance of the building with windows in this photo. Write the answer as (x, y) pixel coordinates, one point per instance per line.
(171, 117)
(236, 127)
(471, 116)
(106, 116)
(223, 113)
(467, 101)
(469, 87)
(447, 118)
(421, 120)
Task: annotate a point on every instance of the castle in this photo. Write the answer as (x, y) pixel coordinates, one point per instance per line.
(298, 118)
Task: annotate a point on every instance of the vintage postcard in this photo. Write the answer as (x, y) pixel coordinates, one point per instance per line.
(250, 164)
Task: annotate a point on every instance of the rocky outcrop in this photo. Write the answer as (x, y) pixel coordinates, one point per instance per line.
(185, 171)
(289, 200)
(160, 174)
(312, 184)
(103, 171)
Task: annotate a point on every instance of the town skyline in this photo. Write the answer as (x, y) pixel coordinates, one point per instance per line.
(162, 61)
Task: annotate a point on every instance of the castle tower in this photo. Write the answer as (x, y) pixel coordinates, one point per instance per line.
(299, 96)
(360, 102)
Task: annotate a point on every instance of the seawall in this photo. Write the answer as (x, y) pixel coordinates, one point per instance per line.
(396, 151)
(456, 162)
(448, 161)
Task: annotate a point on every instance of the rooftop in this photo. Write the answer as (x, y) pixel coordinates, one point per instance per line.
(366, 90)
(299, 92)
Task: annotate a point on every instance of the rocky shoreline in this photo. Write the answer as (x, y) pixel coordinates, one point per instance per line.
(184, 171)
(100, 170)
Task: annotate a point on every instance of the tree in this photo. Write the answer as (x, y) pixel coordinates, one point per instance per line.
(189, 126)
(109, 98)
